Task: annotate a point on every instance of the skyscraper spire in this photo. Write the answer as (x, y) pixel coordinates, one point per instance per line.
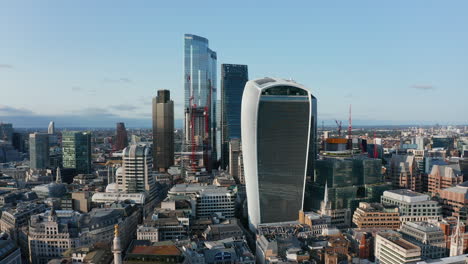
(117, 250)
(456, 243)
(58, 179)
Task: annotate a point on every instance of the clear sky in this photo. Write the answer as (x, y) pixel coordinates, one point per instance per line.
(395, 61)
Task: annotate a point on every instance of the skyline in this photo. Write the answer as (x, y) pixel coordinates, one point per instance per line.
(101, 63)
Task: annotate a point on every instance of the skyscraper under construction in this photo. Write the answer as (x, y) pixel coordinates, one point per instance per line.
(199, 104)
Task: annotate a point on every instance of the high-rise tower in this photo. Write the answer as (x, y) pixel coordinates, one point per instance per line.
(233, 80)
(39, 150)
(278, 119)
(137, 175)
(121, 137)
(51, 128)
(200, 101)
(163, 131)
(77, 151)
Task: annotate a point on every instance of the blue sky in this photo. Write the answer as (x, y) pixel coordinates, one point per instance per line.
(94, 62)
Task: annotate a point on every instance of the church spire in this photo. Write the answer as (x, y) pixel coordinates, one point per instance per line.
(456, 242)
(58, 178)
(325, 207)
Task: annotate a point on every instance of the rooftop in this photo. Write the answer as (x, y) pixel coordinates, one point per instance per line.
(397, 239)
(166, 250)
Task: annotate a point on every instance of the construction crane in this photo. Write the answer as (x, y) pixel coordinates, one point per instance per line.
(350, 130)
(207, 137)
(192, 106)
(338, 124)
(350, 126)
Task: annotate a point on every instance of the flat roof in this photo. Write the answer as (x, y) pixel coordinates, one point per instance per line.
(166, 250)
(404, 244)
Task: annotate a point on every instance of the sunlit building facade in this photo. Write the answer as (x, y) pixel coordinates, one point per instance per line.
(278, 119)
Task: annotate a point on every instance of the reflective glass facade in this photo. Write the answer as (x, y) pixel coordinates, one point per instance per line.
(233, 79)
(39, 150)
(349, 180)
(282, 136)
(77, 151)
(200, 81)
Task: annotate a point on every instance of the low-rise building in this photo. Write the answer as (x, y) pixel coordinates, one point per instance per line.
(461, 259)
(454, 199)
(391, 248)
(226, 229)
(206, 200)
(444, 176)
(9, 252)
(147, 252)
(375, 215)
(429, 237)
(53, 232)
(413, 206)
(315, 221)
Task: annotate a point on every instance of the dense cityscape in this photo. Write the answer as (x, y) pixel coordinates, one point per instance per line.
(291, 191)
(252, 174)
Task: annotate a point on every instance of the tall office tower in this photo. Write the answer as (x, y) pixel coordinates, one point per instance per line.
(137, 175)
(278, 125)
(51, 128)
(6, 132)
(121, 137)
(234, 153)
(39, 150)
(77, 151)
(163, 131)
(18, 141)
(200, 101)
(233, 79)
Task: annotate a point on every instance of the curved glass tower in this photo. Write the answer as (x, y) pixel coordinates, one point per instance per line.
(278, 125)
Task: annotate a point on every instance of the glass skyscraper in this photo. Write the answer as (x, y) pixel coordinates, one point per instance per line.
(350, 181)
(77, 151)
(39, 150)
(278, 135)
(233, 80)
(200, 96)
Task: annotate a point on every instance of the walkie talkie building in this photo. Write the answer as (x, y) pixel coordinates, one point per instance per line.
(278, 125)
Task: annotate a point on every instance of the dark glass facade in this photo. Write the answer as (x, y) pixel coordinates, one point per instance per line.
(282, 136)
(233, 79)
(163, 131)
(349, 180)
(443, 142)
(77, 151)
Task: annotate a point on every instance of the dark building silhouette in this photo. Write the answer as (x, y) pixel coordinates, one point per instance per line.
(163, 131)
(18, 142)
(233, 79)
(121, 138)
